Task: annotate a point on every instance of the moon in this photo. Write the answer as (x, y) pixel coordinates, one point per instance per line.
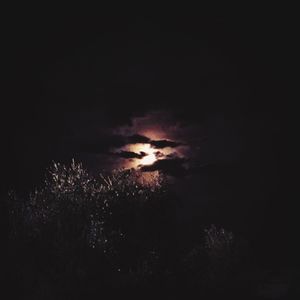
(150, 156)
(148, 153)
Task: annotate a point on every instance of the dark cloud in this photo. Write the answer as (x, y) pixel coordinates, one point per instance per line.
(159, 154)
(174, 167)
(129, 154)
(136, 139)
(164, 144)
(172, 156)
(117, 141)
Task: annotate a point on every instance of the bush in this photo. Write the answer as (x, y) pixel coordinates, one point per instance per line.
(211, 264)
(117, 230)
(116, 218)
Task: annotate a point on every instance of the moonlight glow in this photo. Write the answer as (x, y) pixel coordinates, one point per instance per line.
(150, 142)
(150, 157)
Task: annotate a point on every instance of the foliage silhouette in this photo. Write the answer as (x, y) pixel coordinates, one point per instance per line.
(80, 233)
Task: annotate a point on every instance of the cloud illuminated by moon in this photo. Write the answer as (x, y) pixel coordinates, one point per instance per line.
(152, 154)
(151, 139)
(150, 158)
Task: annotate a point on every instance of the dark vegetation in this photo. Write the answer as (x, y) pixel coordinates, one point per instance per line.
(79, 237)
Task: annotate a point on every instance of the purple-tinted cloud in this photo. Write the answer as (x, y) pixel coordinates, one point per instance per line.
(160, 144)
(129, 154)
(174, 167)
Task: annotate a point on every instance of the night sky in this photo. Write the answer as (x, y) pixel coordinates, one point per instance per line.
(205, 93)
